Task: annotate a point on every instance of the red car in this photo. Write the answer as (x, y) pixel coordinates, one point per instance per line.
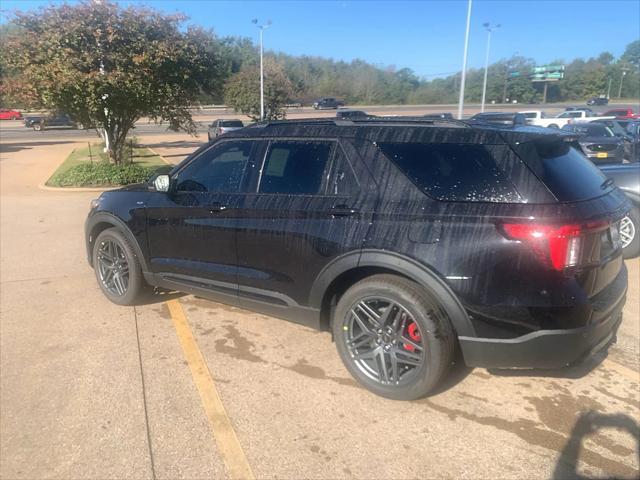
(6, 114)
(620, 113)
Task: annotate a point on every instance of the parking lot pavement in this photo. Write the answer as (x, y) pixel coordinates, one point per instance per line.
(92, 390)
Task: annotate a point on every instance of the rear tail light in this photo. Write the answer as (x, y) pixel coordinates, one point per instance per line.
(559, 246)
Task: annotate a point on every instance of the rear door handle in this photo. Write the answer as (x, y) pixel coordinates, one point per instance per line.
(343, 211)
(217, 207)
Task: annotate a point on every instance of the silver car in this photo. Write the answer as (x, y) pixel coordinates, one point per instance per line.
(219, 127)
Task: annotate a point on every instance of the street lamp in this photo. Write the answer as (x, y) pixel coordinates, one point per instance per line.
(262, 29)
(464, 62)
(490, 28)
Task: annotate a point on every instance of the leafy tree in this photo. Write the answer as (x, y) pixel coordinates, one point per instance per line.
(242, 91)
(108, 66)
(631, 54)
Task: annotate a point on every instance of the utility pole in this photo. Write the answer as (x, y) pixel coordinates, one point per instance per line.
(624, 72)
(490, 28)
(609, 89)
(262, 29)
(464, 62)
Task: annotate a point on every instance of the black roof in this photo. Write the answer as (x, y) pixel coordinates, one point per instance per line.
(400, 129)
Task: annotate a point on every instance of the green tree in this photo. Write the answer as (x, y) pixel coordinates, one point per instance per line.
(242, 91)
(108, 66)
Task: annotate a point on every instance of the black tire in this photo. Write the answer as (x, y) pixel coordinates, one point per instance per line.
(438, 338)
(553, 125)
(136, 286)
(632, 250)
(38, 127)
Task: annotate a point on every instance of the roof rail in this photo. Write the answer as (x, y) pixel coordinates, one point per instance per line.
(371, 120)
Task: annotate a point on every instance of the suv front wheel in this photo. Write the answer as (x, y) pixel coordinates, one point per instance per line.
(393, 337)
(117, 268)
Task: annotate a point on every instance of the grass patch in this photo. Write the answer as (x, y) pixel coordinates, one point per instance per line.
(89, 167)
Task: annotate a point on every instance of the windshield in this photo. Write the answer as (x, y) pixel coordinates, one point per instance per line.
(231, 123)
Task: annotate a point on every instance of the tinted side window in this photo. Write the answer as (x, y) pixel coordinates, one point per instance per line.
(565, 171)
(294, 167)
(452, 172)
(217, 170)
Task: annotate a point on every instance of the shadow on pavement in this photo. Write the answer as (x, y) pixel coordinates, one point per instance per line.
(589, 423)
(158, 295)
(18, 146)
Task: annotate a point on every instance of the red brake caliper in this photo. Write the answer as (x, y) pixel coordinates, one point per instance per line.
(414, 334)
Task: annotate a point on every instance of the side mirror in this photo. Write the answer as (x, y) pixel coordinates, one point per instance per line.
(162, 183)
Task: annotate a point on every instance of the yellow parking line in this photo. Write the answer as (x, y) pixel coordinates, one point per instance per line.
(226, 439)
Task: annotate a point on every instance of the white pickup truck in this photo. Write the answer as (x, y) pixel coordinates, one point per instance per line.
(539, 119)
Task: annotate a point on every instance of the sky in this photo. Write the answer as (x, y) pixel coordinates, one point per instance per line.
(426, 36)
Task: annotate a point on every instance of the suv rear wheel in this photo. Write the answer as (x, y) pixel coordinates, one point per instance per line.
(117, 268)
(393, 337)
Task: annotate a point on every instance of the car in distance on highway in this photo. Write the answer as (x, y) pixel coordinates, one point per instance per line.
(598, 101)
(327, 103)
(349, 113)
(500, 118)
(598, 142)
(627, 178)
(220, 127)
(409, 239)
(39, 123)
(8, 114)
(621, 113)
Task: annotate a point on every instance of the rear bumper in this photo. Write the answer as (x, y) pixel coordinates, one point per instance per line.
(547, 348)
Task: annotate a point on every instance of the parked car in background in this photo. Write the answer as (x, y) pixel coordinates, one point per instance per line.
(220, 127)
(627, 179)
(598, 101)
(327, 103)
(371, 229)
(598, 142)
(8, 114)
(500, 118)
(627, 130)
(39, 123)
(539, 119)
(586, 109)
(621, 113)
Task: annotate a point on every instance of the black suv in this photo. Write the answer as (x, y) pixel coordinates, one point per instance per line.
(407, 238)
(327, 103)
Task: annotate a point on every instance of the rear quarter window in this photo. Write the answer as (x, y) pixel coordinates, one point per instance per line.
(452, 172)
(566, 172)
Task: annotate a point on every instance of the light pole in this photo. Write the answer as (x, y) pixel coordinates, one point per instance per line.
(262, 29)
(624, 72)
(490, 28)
(464, 62)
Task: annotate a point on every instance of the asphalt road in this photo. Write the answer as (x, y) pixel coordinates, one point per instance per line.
(15, 130)
(184, 388)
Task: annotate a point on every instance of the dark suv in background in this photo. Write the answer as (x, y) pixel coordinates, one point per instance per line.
(407, 238)
(327, 103)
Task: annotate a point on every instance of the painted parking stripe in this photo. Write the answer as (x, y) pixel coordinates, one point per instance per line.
(225, 436)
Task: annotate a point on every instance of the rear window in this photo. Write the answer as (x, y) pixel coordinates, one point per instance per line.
(452, 172)
(231, 123)
(568, 174)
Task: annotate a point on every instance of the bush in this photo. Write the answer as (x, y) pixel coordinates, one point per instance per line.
(101, 174)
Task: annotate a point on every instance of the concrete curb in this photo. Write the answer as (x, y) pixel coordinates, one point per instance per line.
(42, 186)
